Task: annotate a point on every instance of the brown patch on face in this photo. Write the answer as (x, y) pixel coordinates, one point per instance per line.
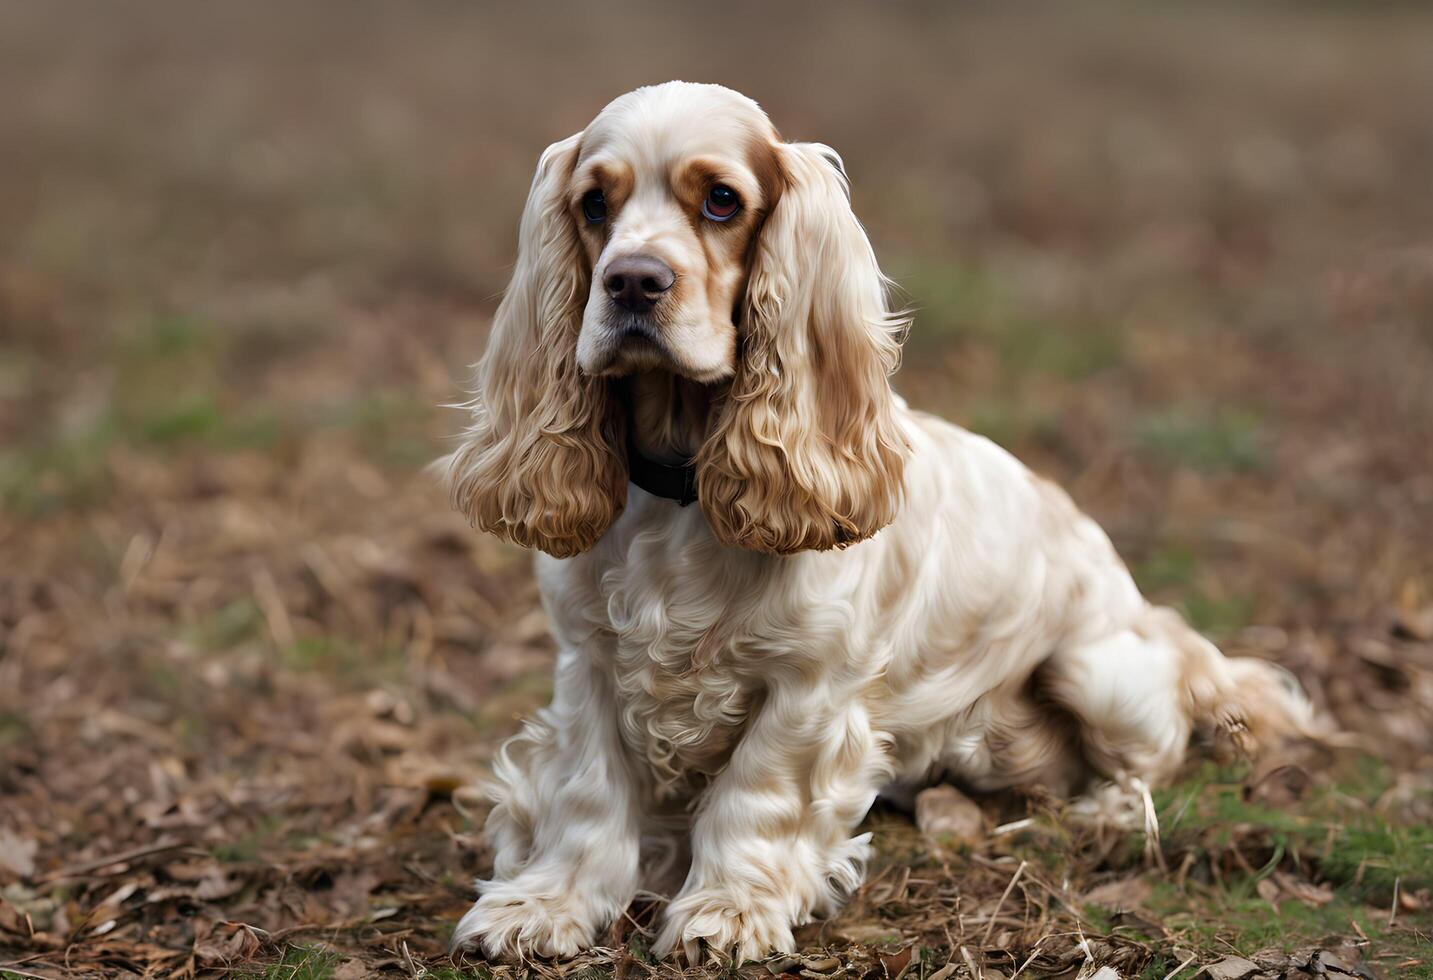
(691, 182)
(727, 246)
(615, 181)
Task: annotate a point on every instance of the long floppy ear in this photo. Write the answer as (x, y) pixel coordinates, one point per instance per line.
(805, 452)
(539, 464)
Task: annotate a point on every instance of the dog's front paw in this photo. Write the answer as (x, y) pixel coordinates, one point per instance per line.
(513, 920)
(731, 928)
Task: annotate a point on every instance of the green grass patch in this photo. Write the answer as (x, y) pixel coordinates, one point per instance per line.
(1332, 836)
(1237, 915)
(1217, 615)
(952, 302)
(391, 426)
(1171, 575)
(196, 417)
(14, 727)
(327, 654)
(249, 848)
(316, 653)
(21, 371)
(1208, 441)
(1214, 921)
(56, 474)
(518, 697)
(1011, 424)
(161, 390)
(300, 963)
(349, 664)
(166, 336)
(60, 471)
(175, 382)
(1073, 352)
(199, 419)
(947, 298)
(1158, 968)
(241, 622)
(1168, 568)
(1358, 851)
(227, 627)
(170, 376)
(1371, 855)
(453, 973)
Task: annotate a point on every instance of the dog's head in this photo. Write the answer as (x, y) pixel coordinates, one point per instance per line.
(679, 233)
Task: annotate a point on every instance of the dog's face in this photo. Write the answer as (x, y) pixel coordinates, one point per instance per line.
(668, 194)
(677, 232)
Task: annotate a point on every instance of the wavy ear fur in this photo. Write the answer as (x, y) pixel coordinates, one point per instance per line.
(805, 452)
(539, 464)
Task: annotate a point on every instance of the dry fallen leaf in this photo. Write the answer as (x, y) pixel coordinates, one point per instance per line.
(1146, 924)
(944, 811)
(225, 944)
(17, 854)
(1281, 786)
(1269, 892)
(1303, 891)
(351, 970)
(1231, 968)
(897, 963)
(867, 933)
(13, 920)
(1122, 893)
(1414, 624)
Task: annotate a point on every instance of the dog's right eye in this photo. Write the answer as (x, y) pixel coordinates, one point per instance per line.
(594, 207)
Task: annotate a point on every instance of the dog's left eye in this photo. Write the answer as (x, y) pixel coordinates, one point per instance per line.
(594, 206)
(721, 204)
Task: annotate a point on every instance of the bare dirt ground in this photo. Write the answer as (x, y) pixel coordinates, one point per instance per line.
(1177, 258)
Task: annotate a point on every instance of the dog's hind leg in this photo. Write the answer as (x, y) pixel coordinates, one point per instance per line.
(1140, 692)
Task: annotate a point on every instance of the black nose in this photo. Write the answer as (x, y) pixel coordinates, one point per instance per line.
(636, 282)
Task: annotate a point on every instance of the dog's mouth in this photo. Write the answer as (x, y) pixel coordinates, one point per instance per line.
(632, 343)
(634, 329)
(625, 343)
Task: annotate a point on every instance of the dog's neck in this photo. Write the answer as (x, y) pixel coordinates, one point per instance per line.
(668, 414)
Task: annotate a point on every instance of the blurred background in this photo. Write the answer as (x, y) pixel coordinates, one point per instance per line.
(1175, 256)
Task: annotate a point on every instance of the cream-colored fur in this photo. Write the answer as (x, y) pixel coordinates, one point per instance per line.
(867, 597)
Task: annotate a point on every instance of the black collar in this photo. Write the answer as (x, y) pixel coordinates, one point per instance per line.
(675, 482)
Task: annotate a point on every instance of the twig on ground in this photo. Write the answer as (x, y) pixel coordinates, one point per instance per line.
(975, 972)
(85, 867)
(990, 927)
(1034, 952)
(1179, 968)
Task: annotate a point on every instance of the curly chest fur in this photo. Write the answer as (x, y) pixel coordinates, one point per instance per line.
(688, 668)
(682, 718)
(685, 684)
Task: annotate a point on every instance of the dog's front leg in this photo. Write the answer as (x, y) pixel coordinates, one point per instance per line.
(565, 829)
(771, 841)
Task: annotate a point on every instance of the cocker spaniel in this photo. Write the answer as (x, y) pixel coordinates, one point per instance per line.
(776, 590)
